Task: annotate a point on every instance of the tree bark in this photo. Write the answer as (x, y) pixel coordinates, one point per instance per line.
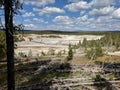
(8, 8)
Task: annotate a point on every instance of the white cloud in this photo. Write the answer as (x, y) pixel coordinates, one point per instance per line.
(49, 10)
(102, 3)
(27, 20)
(116, 14)
(36, 10)
(91, 20)
(104, 19)
(102, 11)
(82, 12)
(74, 7)
(104, 23)
(74, 0)
(39, 2)
(106, 11)
(39, 20)
(28, 14)
(82, 20)
(22, 11)
(63, 20)
(30, 25)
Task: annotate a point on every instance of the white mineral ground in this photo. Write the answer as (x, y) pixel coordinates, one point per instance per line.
(43, 43)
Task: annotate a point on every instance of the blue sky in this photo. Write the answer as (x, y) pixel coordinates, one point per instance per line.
(70, 15)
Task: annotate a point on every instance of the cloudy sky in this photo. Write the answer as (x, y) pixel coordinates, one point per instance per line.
(70, 15)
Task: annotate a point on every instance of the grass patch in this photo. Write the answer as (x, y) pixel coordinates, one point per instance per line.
(80, 61)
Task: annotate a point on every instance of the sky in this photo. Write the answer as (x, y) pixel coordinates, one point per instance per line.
(70, 15)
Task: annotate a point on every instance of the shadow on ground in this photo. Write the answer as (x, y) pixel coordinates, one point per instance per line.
(113, 72)
(41, 75)
(102, 84)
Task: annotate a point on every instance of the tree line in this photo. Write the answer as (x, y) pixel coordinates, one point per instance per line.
(97, 48)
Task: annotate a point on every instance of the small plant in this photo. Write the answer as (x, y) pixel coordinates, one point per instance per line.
(98, 78)
(64, 51)
(59, 54)
(30, 39)
(111, 77)
(30, 54)
(21, 54)
(43, 53)
(117, 76)
(51, 52)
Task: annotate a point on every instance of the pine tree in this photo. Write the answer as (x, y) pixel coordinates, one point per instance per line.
(10, 7)
(85, 43)
(70, 53)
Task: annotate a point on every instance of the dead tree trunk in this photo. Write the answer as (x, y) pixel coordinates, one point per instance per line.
(8, 8)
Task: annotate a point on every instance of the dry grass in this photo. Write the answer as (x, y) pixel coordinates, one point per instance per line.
(109, 59)
(80, 61)
(83, 60)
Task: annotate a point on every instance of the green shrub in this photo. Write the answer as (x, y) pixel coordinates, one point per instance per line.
(94, 53)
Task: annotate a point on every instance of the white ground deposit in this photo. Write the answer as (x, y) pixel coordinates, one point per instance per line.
(46, 42)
